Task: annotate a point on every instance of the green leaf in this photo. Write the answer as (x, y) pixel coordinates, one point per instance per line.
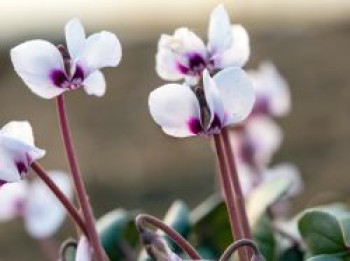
(69, 255)
(211, 227)
(264, 237)
(292, 254)
(264, 196)
(206, 253)
(337, 257)
(321, 232)
(345, 225)
(117, 232)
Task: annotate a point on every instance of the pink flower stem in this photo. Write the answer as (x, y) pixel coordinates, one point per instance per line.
(142, 219)
(234, 180)
(229, 195)
(72, 211)
(79, 183)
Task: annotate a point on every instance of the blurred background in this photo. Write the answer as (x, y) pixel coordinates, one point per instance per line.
(126, 159)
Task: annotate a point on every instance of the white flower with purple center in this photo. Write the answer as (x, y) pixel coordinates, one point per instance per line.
(34, 202)
(225, 99)
(184, 55)
(272, 91)
(17, 151)
(49, 70)
(256, 141)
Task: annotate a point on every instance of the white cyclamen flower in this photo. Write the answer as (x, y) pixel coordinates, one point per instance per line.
(256, 141)
(17, 151)
(225, 99)
(33, 201)
(272, 91)
(184, 55)
(49, 71)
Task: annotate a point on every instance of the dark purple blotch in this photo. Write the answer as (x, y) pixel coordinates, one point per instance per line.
(195, 125)
(22, 167)
(58, 77)
(261, 106)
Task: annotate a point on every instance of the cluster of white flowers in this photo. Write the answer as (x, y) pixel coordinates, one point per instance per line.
(216, 92)
(48, 71)
(258, 138)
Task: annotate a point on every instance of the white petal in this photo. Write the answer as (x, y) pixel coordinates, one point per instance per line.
(239, 51)
(270, 85)
(84, 250)
(212, 96)
(12, 198)
(175, 51)
(166, 64)
(17, 138)
(8, 169)
(44, 213)
(75, 37)
(264, 148)
(101, 50)
(17, 150)
(186, 41)
(173, 107)
(236, 92)
(19, 130)
(287, 171)
(219, 34)
(247, 179)
(95, 84)
(34, 62)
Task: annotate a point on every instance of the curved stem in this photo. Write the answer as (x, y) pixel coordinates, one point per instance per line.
(236, 245)
(72, 211)
(237, 233)
(176, 237)
(65, 246)
(78, 182)
(239, 198)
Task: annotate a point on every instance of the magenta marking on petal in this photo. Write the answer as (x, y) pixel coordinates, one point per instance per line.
(247, 151)
(196, 64)
(2, 182)
(79, 73)
(58, 78)
(22, 168)
(183, 69)
(195, 125)
(261, 105)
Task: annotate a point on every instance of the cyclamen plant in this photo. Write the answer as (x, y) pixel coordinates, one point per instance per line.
(49, 71)
(217, 100)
